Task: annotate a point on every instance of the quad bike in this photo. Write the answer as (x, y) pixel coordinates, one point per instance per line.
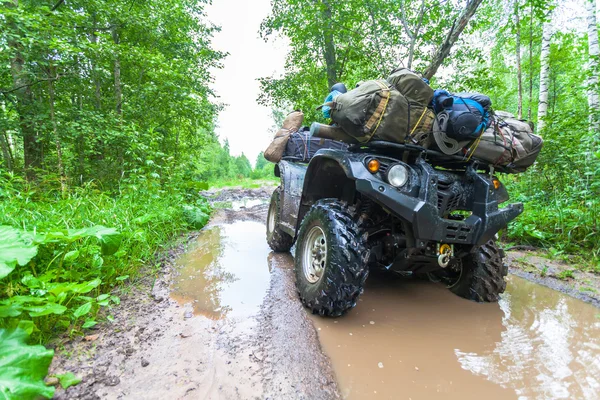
(398, 207)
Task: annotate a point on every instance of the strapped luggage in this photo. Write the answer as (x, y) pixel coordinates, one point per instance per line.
(468, 113)
(411, 85)
(509, 143)
(301, 146)
(291, 124)
(376, 110)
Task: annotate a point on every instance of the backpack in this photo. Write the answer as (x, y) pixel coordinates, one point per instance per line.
(372, 108)
(468, 113)
(377, 110)
(411, 85)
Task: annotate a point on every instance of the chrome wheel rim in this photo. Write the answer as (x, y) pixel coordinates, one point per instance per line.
(271, 218)
(314, 254)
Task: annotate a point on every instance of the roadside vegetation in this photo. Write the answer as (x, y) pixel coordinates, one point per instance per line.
(106, 138)
(535, 59)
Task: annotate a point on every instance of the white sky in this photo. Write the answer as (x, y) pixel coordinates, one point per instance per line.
(243, 122)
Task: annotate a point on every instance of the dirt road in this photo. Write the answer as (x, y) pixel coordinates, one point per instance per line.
(221, 320)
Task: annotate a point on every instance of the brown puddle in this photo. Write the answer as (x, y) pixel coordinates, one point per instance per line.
(225, 272)
(416, 340)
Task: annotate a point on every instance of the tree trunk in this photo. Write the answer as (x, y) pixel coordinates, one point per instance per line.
(95, 74)
(117, 74)
(32, 149)
(412, 35)
(544, 76)
(444, 50)
(6, 156)
(59, 159)
(329, 44)
(518, 54)
(530, 59)
(594, 53)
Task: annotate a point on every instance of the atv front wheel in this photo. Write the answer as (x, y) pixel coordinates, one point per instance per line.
(480, 275)
(331, 259)
(277, 239)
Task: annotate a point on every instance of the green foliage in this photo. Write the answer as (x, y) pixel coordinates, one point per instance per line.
(68, 379)
(23, 367)
(70, 272)
(13, 250)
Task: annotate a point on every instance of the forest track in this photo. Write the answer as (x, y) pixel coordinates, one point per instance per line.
(167, 341)
(160, 348)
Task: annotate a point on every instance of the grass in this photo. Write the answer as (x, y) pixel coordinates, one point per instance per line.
(73, 275)
(245, 183)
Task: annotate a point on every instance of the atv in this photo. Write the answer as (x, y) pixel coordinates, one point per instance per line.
(401, 208)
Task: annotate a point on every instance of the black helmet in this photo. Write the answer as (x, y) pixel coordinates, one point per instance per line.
(340, 87)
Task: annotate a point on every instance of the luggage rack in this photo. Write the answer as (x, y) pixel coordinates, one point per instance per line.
(433, 157)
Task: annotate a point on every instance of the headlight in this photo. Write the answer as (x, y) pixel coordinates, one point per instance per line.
(397, 175)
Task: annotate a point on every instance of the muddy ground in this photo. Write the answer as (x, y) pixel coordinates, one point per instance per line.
(200, 328)
(158, 349)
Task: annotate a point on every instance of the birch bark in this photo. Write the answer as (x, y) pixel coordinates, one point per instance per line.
(544, 75)
(594, 52)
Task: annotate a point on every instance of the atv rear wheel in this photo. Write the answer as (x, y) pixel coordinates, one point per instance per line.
(277, 239)
(480, 275)
(331, 259)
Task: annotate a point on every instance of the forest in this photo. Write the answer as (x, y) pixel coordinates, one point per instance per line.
(107, 129)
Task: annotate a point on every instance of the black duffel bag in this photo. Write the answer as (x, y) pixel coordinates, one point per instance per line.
(301, 146)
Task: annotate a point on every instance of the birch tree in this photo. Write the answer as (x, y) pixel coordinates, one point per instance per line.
(518, 54)
(544, 75)
(594, 52)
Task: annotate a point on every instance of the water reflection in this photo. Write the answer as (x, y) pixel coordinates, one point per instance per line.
(412, 339)
(550, 346)
(224, 272)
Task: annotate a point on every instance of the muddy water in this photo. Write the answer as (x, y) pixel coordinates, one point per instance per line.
(225, 273)
(416, 340)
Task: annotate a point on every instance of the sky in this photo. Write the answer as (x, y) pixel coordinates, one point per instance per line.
(243, 122)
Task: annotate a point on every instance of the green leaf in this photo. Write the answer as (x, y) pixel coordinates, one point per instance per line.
(86, 287)
(46, 309)
(71, 256)
(83, 310)
(89, 323)
(23, 367)
(103, 297)
(67, 380)
(13, 250)
(10, 310)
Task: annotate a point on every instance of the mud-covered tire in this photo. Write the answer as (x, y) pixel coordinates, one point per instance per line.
(345, 261)
(482, 275)
(277, 239)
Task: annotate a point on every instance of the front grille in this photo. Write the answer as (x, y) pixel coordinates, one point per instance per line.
(458, 232)
(448, 195)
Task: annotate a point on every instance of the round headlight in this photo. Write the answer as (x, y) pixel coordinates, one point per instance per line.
(397, 175)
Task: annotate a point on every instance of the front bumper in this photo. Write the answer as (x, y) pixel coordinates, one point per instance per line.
(423, 212)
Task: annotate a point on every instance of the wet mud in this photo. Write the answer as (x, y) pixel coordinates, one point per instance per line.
(416, 340)
(221, 319)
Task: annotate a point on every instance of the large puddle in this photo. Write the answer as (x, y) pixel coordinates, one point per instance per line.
(225, 273)
(410, 339)
(416, 340)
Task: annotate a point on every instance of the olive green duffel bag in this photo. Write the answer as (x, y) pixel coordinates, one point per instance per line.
(376, 110)
(411, 86)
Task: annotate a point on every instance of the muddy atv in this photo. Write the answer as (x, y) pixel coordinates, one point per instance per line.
(395, 207)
